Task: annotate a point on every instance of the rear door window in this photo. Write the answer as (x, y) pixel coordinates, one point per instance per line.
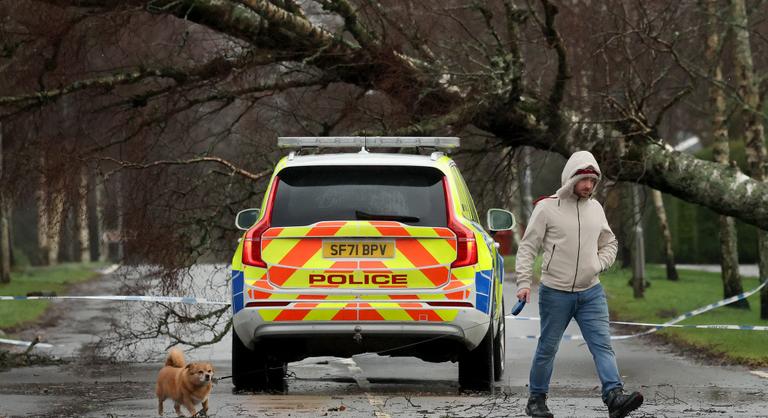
(411, 195)
(467, 205)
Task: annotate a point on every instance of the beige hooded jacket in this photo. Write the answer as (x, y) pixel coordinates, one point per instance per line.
(578, 243)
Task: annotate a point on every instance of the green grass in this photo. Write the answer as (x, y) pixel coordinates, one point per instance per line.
(666, 299)
(47, 279)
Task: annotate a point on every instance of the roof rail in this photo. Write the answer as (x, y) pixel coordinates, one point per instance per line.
(439, 142)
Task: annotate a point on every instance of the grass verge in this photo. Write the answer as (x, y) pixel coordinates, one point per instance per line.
(14, 314)
(666, 299)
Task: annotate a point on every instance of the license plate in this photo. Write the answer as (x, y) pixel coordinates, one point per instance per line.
(358, 249)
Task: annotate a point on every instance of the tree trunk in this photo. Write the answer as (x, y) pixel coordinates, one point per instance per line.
(5, 236)
(755, 131)
(526, 198)
(638, 244)
(669, 254)
(55, 208)
(512, 197)
(120, 210)
(43, 229)
(82, 251)
(729, 254)
(99, 206)
(5, 244)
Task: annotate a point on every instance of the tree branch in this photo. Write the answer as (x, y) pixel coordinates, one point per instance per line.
(109, 81)
(352, 23)
(232, 167)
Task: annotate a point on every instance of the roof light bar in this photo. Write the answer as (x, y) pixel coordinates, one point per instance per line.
(447, 142)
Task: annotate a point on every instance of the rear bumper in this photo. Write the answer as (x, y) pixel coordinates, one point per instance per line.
(428, 340)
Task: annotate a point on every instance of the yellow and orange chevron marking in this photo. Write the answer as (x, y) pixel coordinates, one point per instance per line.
(355, 311)
(423, 254)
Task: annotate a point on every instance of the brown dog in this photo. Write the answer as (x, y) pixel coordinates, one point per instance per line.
(186, 385)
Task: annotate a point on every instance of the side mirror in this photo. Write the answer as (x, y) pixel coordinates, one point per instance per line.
(500, 220)
(246, 218)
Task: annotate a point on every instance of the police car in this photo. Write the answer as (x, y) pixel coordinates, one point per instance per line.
(367, 252)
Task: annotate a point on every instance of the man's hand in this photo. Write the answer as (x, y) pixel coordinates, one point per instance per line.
(524, 294)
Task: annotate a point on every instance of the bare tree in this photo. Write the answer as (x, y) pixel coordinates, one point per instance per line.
(754, 130)
(669, 254)
(185, 97)
(729, 255)
(5, 233)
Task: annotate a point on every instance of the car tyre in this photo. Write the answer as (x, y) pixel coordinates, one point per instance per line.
(256, 370)
(476, 367)
(499, 347)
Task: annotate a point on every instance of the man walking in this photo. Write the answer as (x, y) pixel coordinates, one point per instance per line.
(578, 245)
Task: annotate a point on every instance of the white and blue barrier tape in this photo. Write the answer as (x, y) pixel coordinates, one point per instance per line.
(23, 343)
(161, 299)
(669, 324)
(568, 337)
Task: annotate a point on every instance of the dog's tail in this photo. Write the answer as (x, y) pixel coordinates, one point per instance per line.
(175, 358)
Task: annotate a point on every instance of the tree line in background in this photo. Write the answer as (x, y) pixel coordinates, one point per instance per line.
(162, 115)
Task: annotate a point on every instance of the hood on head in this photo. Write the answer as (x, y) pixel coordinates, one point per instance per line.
(579, 160)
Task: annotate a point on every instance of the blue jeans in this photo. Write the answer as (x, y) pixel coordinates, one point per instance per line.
(590, 309)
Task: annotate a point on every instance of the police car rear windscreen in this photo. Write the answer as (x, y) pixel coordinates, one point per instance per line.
(411, 195)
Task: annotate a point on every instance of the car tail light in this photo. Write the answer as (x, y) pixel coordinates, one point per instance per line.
(252, 241)
(466, 247)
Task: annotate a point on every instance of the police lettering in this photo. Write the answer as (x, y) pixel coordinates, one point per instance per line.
(349, 278)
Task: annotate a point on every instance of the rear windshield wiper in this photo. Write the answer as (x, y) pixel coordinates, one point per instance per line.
(363, 216)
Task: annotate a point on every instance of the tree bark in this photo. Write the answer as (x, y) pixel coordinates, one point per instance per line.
(729, 255)
(638, 244)
(43, 244)
(99, 206)
(5, 244)
(50, 209)
(669, 254)
(82, 251)
(513, 202)
(526, 198)
(5, 238)
(755, 130)
(55, 208)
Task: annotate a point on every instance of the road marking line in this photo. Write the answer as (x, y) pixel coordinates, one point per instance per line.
(376, 402)
(762, 374)
(378, 405)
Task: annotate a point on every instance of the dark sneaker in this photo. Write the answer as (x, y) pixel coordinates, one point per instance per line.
(621, 404)
(537, 407)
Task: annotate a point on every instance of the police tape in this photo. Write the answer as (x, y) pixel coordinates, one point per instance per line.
(157, 299)
(23, 343)
(669, 324)
(660, 326)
